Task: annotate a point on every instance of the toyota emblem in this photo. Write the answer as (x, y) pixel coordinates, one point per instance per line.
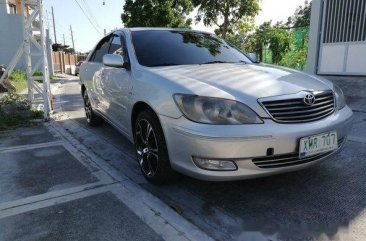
(309, 99)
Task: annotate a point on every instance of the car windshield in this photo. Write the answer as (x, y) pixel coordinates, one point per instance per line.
(165, 48)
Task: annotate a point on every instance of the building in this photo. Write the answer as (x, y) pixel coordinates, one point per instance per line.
(337, 40)
(12, 34)
(11, 30)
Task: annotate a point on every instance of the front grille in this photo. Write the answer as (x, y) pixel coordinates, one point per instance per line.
(294, 110)
(291, 159)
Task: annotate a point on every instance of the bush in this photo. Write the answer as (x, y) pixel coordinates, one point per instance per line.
(38, 73)
(16, 110)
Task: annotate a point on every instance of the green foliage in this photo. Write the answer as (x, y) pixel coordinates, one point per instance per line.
(297, 55)
(283, 44)
(241, 30)
(279, 43)
(18, 79)
(157, 13)
(18, 75)
(38, 73)
(228, 12)
(15, 111)
(301, 18)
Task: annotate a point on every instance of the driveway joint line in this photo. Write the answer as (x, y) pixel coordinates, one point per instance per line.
(51, 196)
(31, 146)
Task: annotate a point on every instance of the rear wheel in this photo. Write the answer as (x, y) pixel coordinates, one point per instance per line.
(152, 153)
(91, 117)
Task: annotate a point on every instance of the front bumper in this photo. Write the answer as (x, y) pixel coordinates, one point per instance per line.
(243, 143)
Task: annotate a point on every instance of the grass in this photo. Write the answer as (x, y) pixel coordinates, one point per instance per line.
(19, 80)
(15, 111)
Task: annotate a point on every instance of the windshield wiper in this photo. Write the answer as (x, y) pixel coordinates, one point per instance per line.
(217, 62)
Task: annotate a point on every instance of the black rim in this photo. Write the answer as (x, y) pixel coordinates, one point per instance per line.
(147, 147)
(87, 107)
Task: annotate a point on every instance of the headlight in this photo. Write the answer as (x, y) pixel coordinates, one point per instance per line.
(208, 110)
(340, 100)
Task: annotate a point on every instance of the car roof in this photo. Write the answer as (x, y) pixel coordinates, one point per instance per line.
(135, 29)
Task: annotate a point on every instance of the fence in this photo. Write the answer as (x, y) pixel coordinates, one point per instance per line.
(65, 63)
(296, 54)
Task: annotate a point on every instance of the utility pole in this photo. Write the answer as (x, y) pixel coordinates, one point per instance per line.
(105, 32)
(72, 38)
(64, 39)
(54, 25)
(48, 20)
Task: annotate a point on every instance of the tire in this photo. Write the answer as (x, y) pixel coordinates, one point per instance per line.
(91, 117)
(151, 149)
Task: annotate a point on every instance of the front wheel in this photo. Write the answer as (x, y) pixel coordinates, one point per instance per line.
(152, 153)
(91, 117)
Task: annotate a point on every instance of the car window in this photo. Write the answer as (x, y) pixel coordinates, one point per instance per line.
(176, 47)
(116, 45)
(101, 50)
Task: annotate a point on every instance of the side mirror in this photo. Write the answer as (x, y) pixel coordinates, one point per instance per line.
(253, 57)
(113, 60)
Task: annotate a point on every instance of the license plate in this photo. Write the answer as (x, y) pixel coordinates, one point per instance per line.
(312, 145)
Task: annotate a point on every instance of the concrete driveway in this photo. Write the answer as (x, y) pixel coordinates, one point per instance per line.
(53, 188)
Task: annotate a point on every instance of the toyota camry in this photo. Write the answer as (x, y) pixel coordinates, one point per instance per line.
(193, 103)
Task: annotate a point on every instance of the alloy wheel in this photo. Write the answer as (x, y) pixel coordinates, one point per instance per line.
(88, 108)
(147, 147)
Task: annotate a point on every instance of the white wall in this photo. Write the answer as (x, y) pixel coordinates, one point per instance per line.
(338, 53)
(11, 35)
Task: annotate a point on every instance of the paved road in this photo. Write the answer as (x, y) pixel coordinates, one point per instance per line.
(325, 202)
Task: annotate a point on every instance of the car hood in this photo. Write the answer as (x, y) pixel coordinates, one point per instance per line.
(243, 82)
(250, 79)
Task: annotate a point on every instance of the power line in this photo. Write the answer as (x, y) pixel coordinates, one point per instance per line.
(62, 27)
(88, 9)
(90, 21)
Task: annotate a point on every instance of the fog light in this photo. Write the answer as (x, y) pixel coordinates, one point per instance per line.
(215, 165)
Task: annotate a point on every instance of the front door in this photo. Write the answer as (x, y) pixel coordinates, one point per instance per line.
(117, 86)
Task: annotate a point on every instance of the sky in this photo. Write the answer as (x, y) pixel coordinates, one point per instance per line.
(108, 16)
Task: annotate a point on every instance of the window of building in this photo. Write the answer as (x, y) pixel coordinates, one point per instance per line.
(12, 8)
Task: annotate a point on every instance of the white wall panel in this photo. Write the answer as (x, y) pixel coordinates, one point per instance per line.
(356, 59)
(332, 58)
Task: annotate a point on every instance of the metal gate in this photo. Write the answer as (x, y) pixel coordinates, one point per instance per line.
(343, 38)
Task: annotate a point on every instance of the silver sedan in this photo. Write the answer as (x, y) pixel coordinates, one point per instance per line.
(192, 103)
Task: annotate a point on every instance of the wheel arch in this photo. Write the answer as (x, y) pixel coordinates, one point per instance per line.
(83, 89)
(138, 107)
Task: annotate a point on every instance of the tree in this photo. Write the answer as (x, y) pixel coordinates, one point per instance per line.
(69, 51)
(279, 43)
(157, 13)
(59, 47)
(240, 31)
(225, 13)
(258, 40)
(301, 17)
